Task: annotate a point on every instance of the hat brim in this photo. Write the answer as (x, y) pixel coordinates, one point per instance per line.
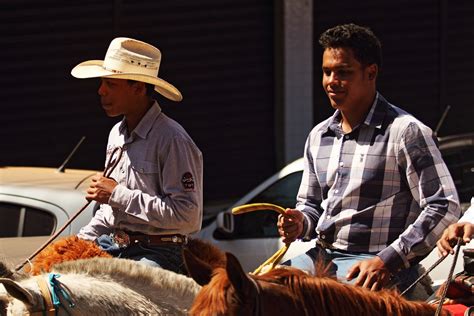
(95, 69)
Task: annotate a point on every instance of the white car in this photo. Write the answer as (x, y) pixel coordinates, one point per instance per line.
(35, 202)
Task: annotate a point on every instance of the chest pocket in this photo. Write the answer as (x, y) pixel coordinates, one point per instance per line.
(146, 175)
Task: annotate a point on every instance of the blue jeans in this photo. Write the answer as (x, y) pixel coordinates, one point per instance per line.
(168, 257)
(342, 261)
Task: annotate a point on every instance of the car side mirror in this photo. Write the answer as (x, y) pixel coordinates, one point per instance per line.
(225, 223)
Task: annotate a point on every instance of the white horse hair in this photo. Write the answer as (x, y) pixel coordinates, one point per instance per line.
(106, 286)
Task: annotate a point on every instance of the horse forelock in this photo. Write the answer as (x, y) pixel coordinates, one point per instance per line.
(212, 299)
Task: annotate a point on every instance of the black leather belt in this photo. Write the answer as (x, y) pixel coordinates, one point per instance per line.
(154, 240)
(123, 239)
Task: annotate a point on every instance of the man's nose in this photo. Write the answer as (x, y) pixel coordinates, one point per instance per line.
(101, 91)
(332, 78)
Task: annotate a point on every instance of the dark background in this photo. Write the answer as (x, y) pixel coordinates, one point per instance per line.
(222, 56)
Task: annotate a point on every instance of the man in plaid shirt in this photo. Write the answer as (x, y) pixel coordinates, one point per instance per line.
(375, 191)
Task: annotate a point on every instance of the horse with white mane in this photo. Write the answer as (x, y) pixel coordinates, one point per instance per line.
(104, 286)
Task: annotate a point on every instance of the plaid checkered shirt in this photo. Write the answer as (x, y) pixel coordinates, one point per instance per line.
(382, 189)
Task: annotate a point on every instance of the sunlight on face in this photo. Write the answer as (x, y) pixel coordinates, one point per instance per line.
(347, 83)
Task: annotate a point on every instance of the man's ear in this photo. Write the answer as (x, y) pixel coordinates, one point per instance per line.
(372, 71)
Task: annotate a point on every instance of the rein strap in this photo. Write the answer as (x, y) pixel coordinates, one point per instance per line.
(50, 309)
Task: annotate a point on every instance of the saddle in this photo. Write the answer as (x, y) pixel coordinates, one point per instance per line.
(462, 284)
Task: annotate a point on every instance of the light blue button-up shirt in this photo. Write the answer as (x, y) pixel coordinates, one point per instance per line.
(159, 176)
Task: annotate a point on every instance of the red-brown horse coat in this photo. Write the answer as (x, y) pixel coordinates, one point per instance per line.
(288, 291)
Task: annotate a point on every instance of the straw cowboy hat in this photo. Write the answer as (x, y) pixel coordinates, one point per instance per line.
(128, 58)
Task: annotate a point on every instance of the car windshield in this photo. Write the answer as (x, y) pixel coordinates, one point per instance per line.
(282, 193)
(262, 224)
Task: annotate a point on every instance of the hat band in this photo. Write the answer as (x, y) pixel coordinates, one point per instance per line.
(113, 70)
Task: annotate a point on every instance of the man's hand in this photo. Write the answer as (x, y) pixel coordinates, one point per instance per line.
(450, 237)
(101, 188)
(371, 274)
(290, 225)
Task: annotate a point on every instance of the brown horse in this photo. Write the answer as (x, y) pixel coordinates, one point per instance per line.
(288, 291)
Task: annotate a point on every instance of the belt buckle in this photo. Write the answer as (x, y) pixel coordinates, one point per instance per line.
(121, 239)
(323, 244)
(176, 239)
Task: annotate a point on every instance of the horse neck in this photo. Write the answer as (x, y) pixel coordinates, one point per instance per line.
(219, 298)
(93, 296)
(329, 297)
(157, 283)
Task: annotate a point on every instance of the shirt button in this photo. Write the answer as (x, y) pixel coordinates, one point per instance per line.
(328, 216)
(323, 236)
(346, 137)
(336, 191)
(341, 164)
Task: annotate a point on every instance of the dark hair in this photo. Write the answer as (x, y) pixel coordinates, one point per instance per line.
(365, 45)
(150, 89)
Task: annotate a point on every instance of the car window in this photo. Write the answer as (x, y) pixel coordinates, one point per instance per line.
(262, 224)
(460, 162)
(19, 220)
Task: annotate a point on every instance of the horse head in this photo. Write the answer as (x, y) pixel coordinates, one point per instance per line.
(229, 290)
(284, 291)
(18, 299)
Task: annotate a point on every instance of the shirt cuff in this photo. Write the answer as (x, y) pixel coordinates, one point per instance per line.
(120, 197)
(307, 228)
(392, 259)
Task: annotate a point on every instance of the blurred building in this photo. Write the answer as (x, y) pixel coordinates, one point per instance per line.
(249, 72)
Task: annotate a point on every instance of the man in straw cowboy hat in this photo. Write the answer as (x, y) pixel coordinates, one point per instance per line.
(153, 198)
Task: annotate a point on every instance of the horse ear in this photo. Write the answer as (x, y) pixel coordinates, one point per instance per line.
(17, 291)
(198, 270)
(238, 278)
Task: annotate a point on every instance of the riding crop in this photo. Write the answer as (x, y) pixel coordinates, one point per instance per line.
(271, 262)
(112, 163)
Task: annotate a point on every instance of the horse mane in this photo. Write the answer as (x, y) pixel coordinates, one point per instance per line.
(326, 296)
(73, 248)
(316, 295)
(213, 294)
(64, 249)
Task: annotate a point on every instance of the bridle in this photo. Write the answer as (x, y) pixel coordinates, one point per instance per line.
(448, 279)
(258, 307)
(113, 161)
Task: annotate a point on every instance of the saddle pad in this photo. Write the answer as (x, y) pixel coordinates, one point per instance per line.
(455, 309)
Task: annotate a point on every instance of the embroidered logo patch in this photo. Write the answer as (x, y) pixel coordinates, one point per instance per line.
(188, 182)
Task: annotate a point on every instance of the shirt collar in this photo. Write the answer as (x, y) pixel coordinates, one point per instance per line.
(377, 112)
(145, 124)
(374, 117)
